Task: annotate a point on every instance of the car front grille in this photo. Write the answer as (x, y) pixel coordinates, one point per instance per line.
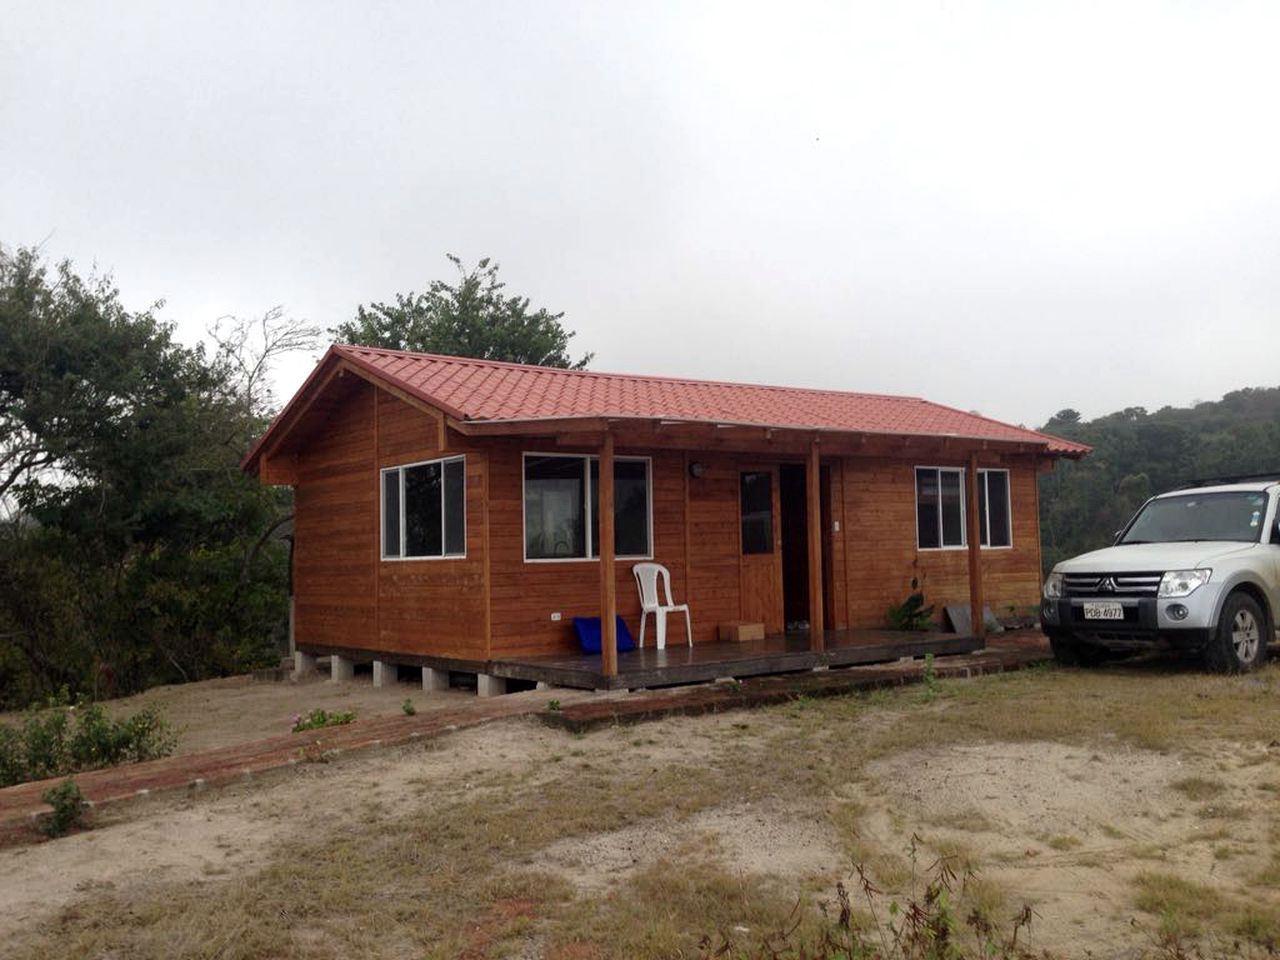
(1118, 585)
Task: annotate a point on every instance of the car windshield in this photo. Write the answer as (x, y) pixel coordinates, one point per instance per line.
(1200, 516)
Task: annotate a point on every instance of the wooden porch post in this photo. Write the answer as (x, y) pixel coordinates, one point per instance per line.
(608, 582)
(976, 602)
(817, 632)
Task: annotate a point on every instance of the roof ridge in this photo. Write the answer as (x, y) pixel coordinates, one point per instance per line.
(606, 374)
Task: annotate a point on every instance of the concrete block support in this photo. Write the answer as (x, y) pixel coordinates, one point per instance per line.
(384, 674)
(304, 664)
(490, 686)
(341, 669)
(434, 680)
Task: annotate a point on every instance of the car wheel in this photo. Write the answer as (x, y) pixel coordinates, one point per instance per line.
(1070, 652)
(1239, 644)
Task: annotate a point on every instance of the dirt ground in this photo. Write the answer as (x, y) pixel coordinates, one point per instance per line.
(218, 713)
(1143, 793)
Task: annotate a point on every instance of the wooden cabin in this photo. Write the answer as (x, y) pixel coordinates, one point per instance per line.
(447, 512)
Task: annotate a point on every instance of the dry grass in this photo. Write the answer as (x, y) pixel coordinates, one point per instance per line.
(1186, 908)
(1199, 789)
(447, 873)
(1182, 905)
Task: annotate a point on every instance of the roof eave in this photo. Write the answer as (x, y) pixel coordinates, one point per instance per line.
(585, 423)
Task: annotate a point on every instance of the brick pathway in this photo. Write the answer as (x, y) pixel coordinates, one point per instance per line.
(21, 803)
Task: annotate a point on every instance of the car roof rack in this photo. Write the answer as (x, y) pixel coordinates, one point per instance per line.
(1272, 476)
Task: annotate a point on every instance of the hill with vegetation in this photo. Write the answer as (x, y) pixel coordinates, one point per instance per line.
(1138, 454)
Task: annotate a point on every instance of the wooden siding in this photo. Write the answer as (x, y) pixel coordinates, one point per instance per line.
(347, 596)
(525, 595)
(336, 530)
(493, 604)
(880, 543)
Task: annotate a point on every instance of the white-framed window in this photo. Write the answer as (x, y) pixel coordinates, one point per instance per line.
(561, 507)
(941, 523)
(424, 510)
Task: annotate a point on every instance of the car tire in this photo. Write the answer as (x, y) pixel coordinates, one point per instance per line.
(1070, 652)
(1239, 644)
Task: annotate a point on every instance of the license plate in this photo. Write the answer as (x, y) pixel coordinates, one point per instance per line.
(1103, 611)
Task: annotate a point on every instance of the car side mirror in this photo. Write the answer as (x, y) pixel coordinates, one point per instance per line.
(1275, 532)
(1115, 537)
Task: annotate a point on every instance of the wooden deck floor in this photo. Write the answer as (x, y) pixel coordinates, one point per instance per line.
(678, 664)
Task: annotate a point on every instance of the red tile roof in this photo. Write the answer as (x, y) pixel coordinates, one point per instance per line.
(493, 392)
(487, 390)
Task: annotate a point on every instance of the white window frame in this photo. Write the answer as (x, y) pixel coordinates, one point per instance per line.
(964, 505)
(586, 518)
(985, 492)
(400, 468)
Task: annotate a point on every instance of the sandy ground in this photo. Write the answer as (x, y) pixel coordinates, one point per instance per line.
(217, 713)
(1066, 827)
(1069, 827)
(228, 830)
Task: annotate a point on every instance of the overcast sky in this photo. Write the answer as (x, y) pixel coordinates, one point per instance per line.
(1009, 208)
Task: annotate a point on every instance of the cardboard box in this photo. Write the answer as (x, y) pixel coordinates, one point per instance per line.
(737, 631)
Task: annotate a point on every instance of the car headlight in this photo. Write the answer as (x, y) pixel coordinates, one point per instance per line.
(1053, 587)
(1183, 583)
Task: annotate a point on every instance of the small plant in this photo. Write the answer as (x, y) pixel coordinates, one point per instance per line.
(553, 706)
(408, 708)
(929, 679)
(319, 718)
(68, 805)
(911, 614)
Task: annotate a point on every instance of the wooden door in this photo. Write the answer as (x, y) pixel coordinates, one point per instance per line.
(760, 547)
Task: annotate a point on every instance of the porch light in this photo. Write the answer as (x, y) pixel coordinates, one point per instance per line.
(697, 469)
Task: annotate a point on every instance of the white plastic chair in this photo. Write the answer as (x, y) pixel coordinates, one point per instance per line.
(647, 575)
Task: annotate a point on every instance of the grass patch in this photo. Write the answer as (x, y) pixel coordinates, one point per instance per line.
(1199, 789)
(971, 820)
(1182, 906)
(1270, 875)
(1223, 811)
(666, 908)
(1063, 842)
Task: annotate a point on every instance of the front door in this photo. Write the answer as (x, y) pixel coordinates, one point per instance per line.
(760, 546)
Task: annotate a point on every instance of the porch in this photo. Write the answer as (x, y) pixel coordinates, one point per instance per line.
(680, 663)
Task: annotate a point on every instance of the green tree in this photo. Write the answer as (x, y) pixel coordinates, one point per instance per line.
(471, 318)
(133, 550)
(1138, 454)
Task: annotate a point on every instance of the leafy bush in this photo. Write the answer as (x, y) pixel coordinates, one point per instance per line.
(68, 805)
(61, 738)
(318, 718)
(911, 614)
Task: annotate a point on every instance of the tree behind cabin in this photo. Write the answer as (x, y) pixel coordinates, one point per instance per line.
(472, 318)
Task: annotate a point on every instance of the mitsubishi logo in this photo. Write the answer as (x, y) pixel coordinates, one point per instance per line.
(1108, 585)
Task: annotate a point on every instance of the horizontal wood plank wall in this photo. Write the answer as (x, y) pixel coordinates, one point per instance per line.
(336, 529)
(525, 595)
(715, 575)
(346, 595)
(437, 606)
(880, 543)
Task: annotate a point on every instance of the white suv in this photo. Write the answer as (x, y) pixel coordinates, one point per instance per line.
(1197, 569)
